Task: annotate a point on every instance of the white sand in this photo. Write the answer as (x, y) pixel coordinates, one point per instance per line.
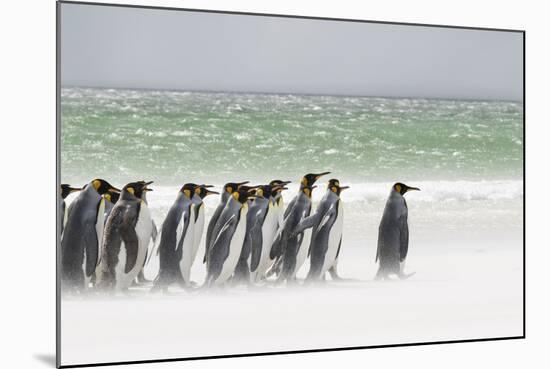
(457, 293)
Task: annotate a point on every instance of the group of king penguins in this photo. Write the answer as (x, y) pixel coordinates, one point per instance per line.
(108, 235)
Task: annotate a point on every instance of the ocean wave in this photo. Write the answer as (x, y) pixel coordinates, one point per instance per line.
(431, 191)
(440, 191)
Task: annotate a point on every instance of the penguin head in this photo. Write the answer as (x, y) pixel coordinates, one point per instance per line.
(137, 188)
(278, 186)
(242, 195)
(402, 188)
(334, 186)
(203, 190)
(264, 191)
(307, 190)
(233, 186)
(311, 178)
(277, 182)
(102, 186)
(112, 197)
(188, 189)
(66, 190)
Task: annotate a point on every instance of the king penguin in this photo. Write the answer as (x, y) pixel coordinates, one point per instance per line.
(326, 239)
(66, 190)
(264, 231)
(82, 235)
(177, 235)
(140, 279)
(393, 234)
(125, 241)
(228, 189)
(261, 224)
(198, 226)
(200, 193)
(226, 248)
(278, 209)
(287, 247)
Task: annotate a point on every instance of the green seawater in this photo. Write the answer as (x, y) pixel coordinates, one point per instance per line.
(175, 137)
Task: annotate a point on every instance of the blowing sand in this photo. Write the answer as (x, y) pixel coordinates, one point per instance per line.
(474, 293)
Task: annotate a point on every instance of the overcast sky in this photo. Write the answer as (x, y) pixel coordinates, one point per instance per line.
(161, 49)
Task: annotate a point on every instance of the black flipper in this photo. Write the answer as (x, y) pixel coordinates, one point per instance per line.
(131, 242)
(92, 250)
(256, 241)
(404, 239)
(277, 246)
(338, 252)
(210, 230)
(305, 223)
(155, 232)
(289, 208)
(92, 245)
(222, 241)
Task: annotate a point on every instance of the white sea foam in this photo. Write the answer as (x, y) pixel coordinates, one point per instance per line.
(182, 133)
(437, 192)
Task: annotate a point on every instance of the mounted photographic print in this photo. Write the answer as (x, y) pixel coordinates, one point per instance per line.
(248, 184)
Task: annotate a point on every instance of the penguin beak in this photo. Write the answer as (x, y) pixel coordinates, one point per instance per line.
(284, 183)
(279, 187)
(239, 184)
(207, 186)
(413, 189)
(113, 189)
(145, 186)
(317, 176)
(249, 189)
(208, 192)
(342, 188)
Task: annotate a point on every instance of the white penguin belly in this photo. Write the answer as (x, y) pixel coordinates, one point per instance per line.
(302, 252)
(144, 227)
(99, 225)
(187, 246)
(279, 213)
(268, 234)
(235, 248)
(197, 233)
(335, 235)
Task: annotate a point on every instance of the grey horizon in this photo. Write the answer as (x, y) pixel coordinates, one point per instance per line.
(119, 47)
